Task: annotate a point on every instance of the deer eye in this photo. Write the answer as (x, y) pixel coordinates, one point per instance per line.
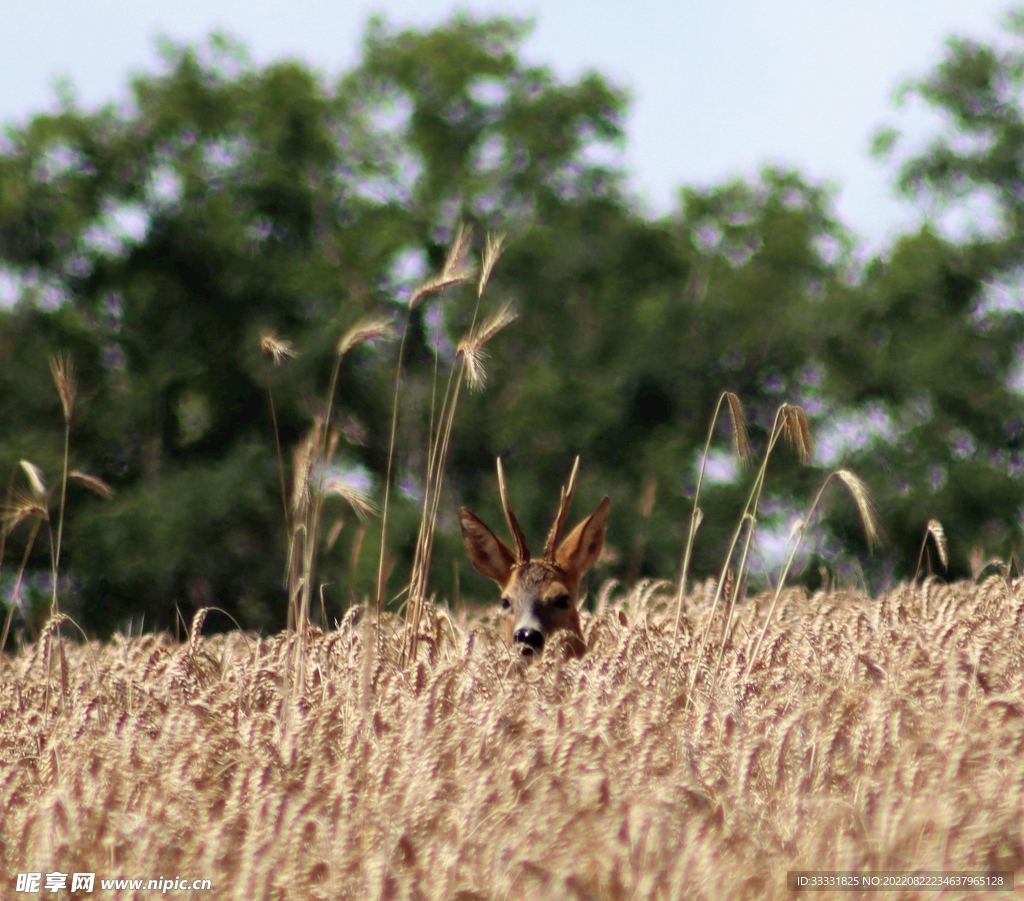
(505, 603)
(561, 602)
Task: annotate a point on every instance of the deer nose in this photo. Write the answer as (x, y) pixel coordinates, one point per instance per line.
(533, 639)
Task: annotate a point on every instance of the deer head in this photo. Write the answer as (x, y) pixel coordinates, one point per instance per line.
(539, 596)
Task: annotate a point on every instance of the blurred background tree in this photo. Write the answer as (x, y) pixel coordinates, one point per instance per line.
(928, 342)
(158, 241)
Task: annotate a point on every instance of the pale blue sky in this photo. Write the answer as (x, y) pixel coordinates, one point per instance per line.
(718, 88)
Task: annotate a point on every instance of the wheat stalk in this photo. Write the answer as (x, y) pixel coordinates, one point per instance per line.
(62, 368)
(741, 448)
(863, 736)
(784, 423)
(21, 507)
(938, 535)
(471, 353)
(312, 479)
(492, 252)
(278, 350)
(471, 347)
(455, 271)
(645, 507)
(869, 521)
(94, 483)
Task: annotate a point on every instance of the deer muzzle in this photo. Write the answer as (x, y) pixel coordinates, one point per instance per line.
(529, 640)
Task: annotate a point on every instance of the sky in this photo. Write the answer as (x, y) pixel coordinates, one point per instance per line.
(718, 89)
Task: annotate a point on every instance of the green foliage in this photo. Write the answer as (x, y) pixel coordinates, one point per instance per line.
(226, 201)
(157, 242)
(932, 334)
(199, 536)
(480, 129)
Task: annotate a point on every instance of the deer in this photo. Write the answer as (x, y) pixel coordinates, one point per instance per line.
(539, 597)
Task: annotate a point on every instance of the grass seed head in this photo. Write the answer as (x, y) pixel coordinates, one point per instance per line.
(341, 484)
(729, 587)
(979, 564)
(93, 482)
(456, 269)
(939, 537)
(738, 419)
(62, 367)
(303, 458)
(22, 506)
(492, 251)
(364, 330)
(35, 478)
(476, 374)
(455, 262)
(276, 348)
(472, 345)
(859, 492)
(197, 629)
(332, 536)
(797, 431)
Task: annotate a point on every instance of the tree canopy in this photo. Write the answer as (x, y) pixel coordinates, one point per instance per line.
(157, 241)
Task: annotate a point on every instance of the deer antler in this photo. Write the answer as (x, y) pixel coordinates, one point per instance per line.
(522, 551)
(555, 535)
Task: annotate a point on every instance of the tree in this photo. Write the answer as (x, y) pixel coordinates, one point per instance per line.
(158, 242)
(629, 332)
(932, 339)
(231, 200)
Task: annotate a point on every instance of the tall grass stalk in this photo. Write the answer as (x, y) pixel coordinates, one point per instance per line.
(313, 482)
(34, 505)
(312, 479)
(305, 508)
(468, 367)
(455, 271)
(938, 535)
(859, 493)
(279, 351)
(790, 421)
(63, 371)
(645, 507)
(37, 521)
(62, 368)
(3, 553)
(741, 448)
(379, 588)
(791, 424)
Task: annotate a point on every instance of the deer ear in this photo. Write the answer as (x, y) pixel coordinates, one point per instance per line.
(583, 544)
(488, 553)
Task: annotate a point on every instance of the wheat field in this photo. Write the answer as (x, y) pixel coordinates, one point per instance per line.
(880, 734)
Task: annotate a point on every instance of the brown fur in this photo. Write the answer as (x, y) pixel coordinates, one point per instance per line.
(539, 596)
